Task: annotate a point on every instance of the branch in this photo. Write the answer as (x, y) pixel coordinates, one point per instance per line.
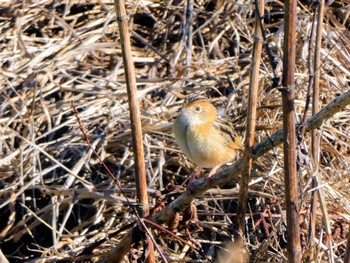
(232, 173)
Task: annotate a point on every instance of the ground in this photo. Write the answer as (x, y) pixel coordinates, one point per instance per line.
(57, 202)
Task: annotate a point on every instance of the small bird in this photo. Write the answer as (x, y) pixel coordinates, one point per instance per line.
(206, 140)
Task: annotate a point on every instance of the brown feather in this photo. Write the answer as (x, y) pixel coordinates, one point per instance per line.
(229, 133)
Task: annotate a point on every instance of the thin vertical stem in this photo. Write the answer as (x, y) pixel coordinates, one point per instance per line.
(315, 137)
(291, 179)
(316, 85)
(347, 252)
(314, 196)
(135, 120)
(251, 118)
(189, 33)
(133, 104)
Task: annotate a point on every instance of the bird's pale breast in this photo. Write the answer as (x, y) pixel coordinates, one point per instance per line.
(207, 146)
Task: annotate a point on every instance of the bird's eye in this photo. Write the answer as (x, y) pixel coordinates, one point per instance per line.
(198, 109)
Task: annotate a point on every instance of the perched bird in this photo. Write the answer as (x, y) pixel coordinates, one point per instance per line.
(206, 140)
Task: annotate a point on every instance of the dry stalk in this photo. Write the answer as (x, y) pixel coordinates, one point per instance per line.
(347, 252)
(135, 119)
(315, 155)
(316, 137)
(289, 142)
(189, 33)
(251, 119)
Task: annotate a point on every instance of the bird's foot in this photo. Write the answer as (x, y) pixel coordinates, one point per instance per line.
(193, 177)
(211, 173)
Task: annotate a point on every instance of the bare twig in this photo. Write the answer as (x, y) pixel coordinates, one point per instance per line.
(140, 171)
(313, 208)
(135, 120)
(316, 134)
(347, 252)
(189, 33)
(289, 142)
(120, 248)
(251, 119)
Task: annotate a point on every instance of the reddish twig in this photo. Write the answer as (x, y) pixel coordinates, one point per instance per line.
(138, 218)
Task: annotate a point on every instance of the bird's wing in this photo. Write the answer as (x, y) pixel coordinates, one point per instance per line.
(229, 133)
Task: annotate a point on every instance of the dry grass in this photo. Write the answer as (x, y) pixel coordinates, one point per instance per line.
(55, 52)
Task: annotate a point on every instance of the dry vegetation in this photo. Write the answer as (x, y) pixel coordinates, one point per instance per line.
(56, 200)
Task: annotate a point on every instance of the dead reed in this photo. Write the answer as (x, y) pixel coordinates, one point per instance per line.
(56, 200)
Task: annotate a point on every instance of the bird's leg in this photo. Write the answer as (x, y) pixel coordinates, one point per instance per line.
(194, 175)
(211, 172)
(192, 178)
